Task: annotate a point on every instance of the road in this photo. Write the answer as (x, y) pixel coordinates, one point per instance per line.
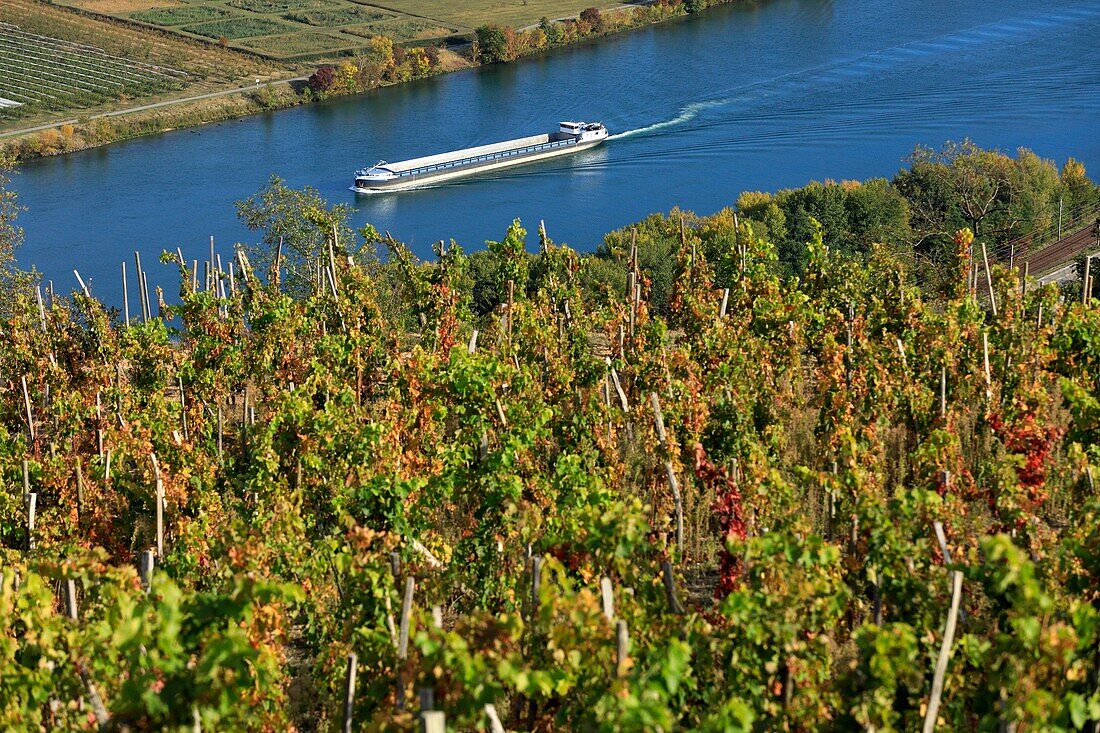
(155, 105)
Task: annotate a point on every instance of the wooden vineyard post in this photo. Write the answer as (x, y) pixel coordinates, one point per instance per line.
(70, 598)
(536, 583)
(141, 290)
(495, 726)
(607, 599)
(125, 296)
(943, 392)
(148, 563)
(433, 721)
(940, 670)
(511, 304)
(622, 648)
(349, 691)
(27, 406)
(1086, 286)
(989, 281)
(403, 639)
(670, 474)
(98, 708)
(670, 589)
(160, 506)
(32, 507)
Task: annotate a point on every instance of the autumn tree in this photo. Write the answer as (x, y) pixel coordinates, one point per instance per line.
(11, 236)
(322, 80)
(301, 224)
(377, 61)
(491, 44)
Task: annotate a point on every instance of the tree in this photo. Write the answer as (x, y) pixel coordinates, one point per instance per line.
(377, 61)
(304, 225)
(322, 80)
(961, 185)
(491, 44)
(11, 237)
(592, 18)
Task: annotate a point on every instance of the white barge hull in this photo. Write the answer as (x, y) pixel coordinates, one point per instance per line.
(418, 172)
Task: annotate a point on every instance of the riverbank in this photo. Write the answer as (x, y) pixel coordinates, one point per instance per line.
(492, 44)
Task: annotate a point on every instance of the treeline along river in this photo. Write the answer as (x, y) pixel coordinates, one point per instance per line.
(759, 95)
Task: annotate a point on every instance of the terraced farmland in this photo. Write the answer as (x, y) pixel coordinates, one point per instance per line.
(281, 30)
(39, 73)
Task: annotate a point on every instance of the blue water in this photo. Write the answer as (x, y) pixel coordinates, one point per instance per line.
(756, 96)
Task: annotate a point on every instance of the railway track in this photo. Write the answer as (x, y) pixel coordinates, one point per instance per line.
(1060, 253)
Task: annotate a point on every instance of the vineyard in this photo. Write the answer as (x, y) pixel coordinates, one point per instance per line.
(43, 73)
(330, 487)
(54, 61)
(284, 29)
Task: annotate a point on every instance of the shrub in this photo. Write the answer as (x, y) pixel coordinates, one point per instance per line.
(322, 79)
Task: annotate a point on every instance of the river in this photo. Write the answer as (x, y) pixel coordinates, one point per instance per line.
(756, 96)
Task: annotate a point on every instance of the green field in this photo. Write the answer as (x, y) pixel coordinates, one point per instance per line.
(183, 15)
(401, 29)
(337, 16)
(240, 28)
(269, 25)
(298, 44)
(472, 13)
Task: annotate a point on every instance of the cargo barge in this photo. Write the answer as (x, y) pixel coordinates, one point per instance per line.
(569, 138)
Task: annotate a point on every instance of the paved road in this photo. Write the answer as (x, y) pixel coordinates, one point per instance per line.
(154, 105)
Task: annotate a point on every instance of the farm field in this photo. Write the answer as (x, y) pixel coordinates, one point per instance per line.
(515, 13)
(283, 30)
(54, 62)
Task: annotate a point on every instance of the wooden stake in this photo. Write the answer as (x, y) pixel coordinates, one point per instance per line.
(125, 296)
(607, 597)
(942, 539)
(943, 392)
(1086, 288)
(141, 291)
(160, 506)
(989, 281)
(148, 563)
(536, 582)
(27, 404)
(83, 286)
(618, 387)
(940, 670)
(472, 346)
(70, 598)
(79, 490)
(349, 691)
(670, 589)
(406, 618)
(494, 719)
(32, 507)
(725, 302)
(622, 648)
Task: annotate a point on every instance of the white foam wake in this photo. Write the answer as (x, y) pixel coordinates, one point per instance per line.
(687, 114)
